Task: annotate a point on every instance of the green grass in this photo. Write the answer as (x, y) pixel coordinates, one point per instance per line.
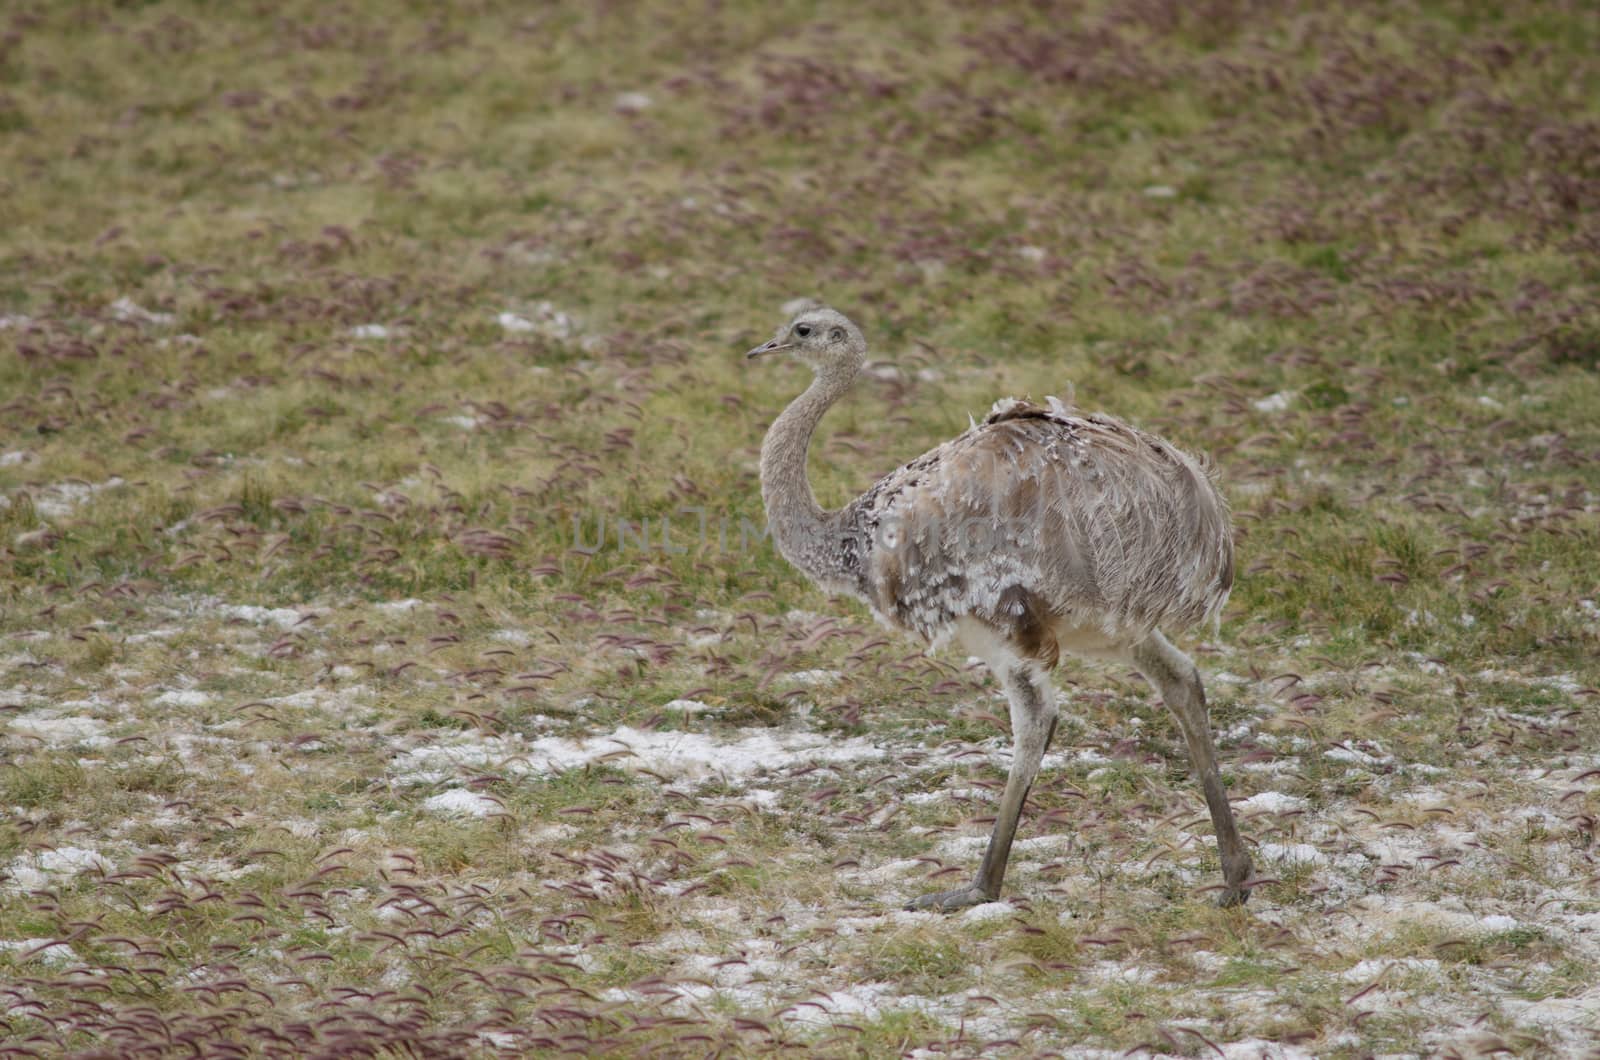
(272, 579)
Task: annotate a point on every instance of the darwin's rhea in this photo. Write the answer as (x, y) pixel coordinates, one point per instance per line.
(1035, 532)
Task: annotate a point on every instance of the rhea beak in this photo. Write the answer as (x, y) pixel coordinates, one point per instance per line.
(774, 346)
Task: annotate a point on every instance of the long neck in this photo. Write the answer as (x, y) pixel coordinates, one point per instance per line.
(798, 523)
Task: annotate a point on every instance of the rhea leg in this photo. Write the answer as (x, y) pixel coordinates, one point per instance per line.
(1033, 723)
(1174, 675)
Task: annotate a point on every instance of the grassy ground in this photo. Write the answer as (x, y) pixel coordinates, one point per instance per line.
(346, 348)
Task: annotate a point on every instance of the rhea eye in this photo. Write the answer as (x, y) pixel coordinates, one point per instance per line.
(802, 330)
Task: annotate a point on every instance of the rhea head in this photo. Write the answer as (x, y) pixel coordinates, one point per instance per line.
(821, 337)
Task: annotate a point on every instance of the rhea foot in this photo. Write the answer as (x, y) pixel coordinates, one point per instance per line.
(1236, 891)
(950, 901)
(1233, 897)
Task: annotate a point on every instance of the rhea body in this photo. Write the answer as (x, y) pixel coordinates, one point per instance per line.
(1036, 532)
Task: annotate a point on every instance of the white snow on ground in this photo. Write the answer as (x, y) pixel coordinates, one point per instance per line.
(811, 678)
(921, 798)
(862, 1001)
(513, 322)
(59, 499)
(1258, 1049)
(126, 309)
(1294, 854)
(1368, 970)
(282, 617)
(183, 698)
(30, 872)
(688, 755)
(1343, 840)
(1378, 908)
(369, 331)
(1278, 402)
(47, 951)
(1579, 1013)
(460, 803)
(982, 914)
(1355, 756)
(1270, 802)
(543, 318)
(62, 731)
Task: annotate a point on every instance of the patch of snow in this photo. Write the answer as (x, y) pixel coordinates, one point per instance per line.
(520, 638)
(1271, 802)
(922, 798)
(459, 802)
(688, 706)
(1354, 756)
(398, 605)
(369, 331)
(47, 951)
(151, 635)
(64, 731)
(1159, 191)
(1261, 1049)
(1031, 253)
(982, 914)
(544, 319)
(967, 846)
(282, 617)
(14, 457)
(1561, 683)
(129, 311)
(762, 798)
(811, 678)
(1580, 1013)
(1294, 854)
(1118, 972)
(14, 320)
(1368, 970)
(1402, 911)
(71, 860)
(864, 1000)
(183, 698)
(1425, 664)
(52, 502)
(1278, 402)
(30, 872)
(689, 755)
(632, 102)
